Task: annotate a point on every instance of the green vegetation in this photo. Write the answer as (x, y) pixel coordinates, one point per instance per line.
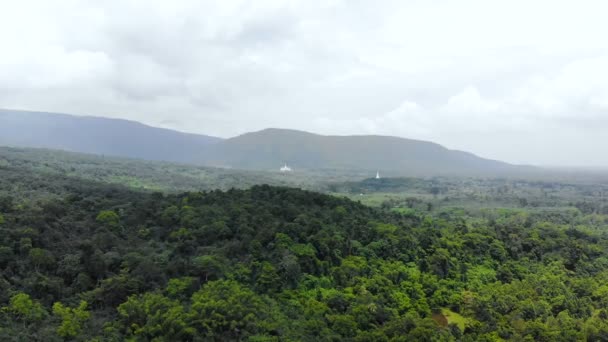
(72, 319)
(262, 150)
(90, 261)
(439, 194)
(455, 318)
(158, 176)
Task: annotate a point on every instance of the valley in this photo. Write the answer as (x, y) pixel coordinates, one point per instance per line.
(303, 171)
(104, 248)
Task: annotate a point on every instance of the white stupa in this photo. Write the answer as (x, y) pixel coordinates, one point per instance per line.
(286, 168)
(377, 174)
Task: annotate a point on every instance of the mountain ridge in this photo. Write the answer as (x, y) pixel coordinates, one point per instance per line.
(266, 149)
(99, 135)
(258, 150)
(277, 129)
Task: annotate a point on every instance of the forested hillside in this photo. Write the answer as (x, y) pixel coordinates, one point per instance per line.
(262, 150)
(104, 136)
(156, 175)
(587, 195)
(82, 260)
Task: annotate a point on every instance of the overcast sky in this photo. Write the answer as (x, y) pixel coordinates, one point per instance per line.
(520, 81)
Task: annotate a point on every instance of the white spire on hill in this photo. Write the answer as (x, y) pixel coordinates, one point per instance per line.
(377, 174)
(286, 168)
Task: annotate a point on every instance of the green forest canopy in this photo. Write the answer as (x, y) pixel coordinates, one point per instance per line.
(90, 261)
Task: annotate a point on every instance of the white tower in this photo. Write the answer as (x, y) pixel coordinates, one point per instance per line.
(377, 174)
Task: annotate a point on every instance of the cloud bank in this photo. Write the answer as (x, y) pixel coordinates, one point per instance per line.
(518, 81)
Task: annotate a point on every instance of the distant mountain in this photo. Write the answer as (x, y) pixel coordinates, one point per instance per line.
(264, 150)
(270, 148)
(97, 135)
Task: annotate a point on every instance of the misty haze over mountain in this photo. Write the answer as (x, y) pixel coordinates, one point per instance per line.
(99, 136)
(262, 150)
(518, 81)
(342, 170)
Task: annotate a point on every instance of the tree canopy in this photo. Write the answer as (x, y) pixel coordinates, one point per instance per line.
(87, 261)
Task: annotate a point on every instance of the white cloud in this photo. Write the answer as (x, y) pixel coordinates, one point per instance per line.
(514, 80)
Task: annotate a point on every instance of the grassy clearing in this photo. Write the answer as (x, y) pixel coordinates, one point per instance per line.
(455, 318)
(135, 183)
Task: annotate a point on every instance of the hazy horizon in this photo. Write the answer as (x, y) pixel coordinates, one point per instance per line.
(520, 82)
(564, 168)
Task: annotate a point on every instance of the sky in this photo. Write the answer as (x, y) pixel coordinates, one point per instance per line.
(519, 81)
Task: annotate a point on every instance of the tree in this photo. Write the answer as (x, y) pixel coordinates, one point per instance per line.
(152, 316)
(6, 255)
(182, 287)
(441, 262)
(209, 267)
(69, 266)
(72, 319)
(226, 310)
(41, 258)
(108, 218)
(25, 244)
(170, 215)
(350, 267)
(267, 278)
(427, 330)
(24, 308)
(344, 325)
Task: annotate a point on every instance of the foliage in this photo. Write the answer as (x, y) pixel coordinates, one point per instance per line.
(108, 218)
(156, 175)
(23, 307)
(151, 315)
(72, 319)
(274, 263)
